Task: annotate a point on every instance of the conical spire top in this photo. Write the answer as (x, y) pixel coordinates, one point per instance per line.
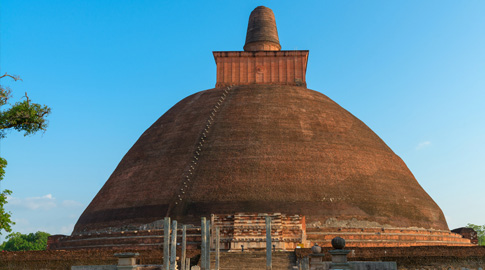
(262, 34)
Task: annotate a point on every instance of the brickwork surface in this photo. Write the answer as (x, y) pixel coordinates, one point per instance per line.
(429, 258)
(137, 240)
(255, 261)
(262, 34)
(406, 258)
(262, 67)
(270, 148)
(467, 233)
(63, 260)
(386, 237)
(249, 230)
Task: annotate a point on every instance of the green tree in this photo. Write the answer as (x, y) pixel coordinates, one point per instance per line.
(480, 233)
(22, 116)
(20, 242)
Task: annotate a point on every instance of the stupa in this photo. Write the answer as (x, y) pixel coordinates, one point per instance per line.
(260, 143)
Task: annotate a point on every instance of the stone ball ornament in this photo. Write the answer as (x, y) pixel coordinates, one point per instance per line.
(316, 249)
(338, 243)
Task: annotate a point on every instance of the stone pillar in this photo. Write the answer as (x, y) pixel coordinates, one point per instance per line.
(203, 244)
(339, 255)
(187, 264)
(212, 235)
(184, 247)
(316, 258)
(166, 243)
(173, 250)
(218, 246)
(208, 245)
(304, 263)
(268, 243)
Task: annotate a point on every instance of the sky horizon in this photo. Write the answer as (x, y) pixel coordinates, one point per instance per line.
(413, 72)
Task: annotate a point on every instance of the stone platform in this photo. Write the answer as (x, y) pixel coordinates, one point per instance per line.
(247, 231)
(386, 237)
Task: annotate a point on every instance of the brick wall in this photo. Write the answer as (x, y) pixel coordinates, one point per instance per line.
(249, 230)
(136, 240)
(406, 258)
(386, 237)
(430, 257)
(262, 67)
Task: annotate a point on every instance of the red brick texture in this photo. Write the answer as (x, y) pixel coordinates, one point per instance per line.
(136, 240)
(467, 233)
(249, 229)
(262, 34)
(269, 148)
(261, 67)
(424, 257)
(429, 258)
(386, 237)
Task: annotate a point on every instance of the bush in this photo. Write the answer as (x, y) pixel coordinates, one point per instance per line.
(22, 242)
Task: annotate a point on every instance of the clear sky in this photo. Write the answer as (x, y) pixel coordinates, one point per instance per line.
(413, 71)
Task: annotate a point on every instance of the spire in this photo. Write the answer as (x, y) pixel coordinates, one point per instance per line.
(262, 34)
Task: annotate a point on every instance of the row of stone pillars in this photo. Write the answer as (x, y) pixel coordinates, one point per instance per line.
(170, 245)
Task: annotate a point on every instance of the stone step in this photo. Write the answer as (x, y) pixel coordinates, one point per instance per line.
(386, 243)
(376, 229)
(380, 237)
(387, 237)
(383, 233)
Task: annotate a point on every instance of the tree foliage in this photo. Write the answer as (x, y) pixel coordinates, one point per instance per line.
(480, 229)
(22, 242)
(5, 217)
(23, 116)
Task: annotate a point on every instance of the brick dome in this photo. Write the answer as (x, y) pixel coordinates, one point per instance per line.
(262, 148)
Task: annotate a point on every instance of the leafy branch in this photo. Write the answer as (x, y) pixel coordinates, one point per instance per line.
(23, 116)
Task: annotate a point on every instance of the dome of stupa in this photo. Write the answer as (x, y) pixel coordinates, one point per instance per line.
(266, 148)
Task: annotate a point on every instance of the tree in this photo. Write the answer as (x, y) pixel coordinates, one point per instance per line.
(480, 233)
(21, 116)
(20, 242)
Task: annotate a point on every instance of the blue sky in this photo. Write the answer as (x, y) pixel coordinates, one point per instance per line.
(413, 71)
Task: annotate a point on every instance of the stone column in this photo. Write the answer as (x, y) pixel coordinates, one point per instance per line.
(218, 246)
(208, 245)
(213, 224)
(316, 258)
(304, 263)
(184, 247)
(268, 243)
(166, 243)
(173, 250)
(339, 255)
(203, 244)
(187, 264)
